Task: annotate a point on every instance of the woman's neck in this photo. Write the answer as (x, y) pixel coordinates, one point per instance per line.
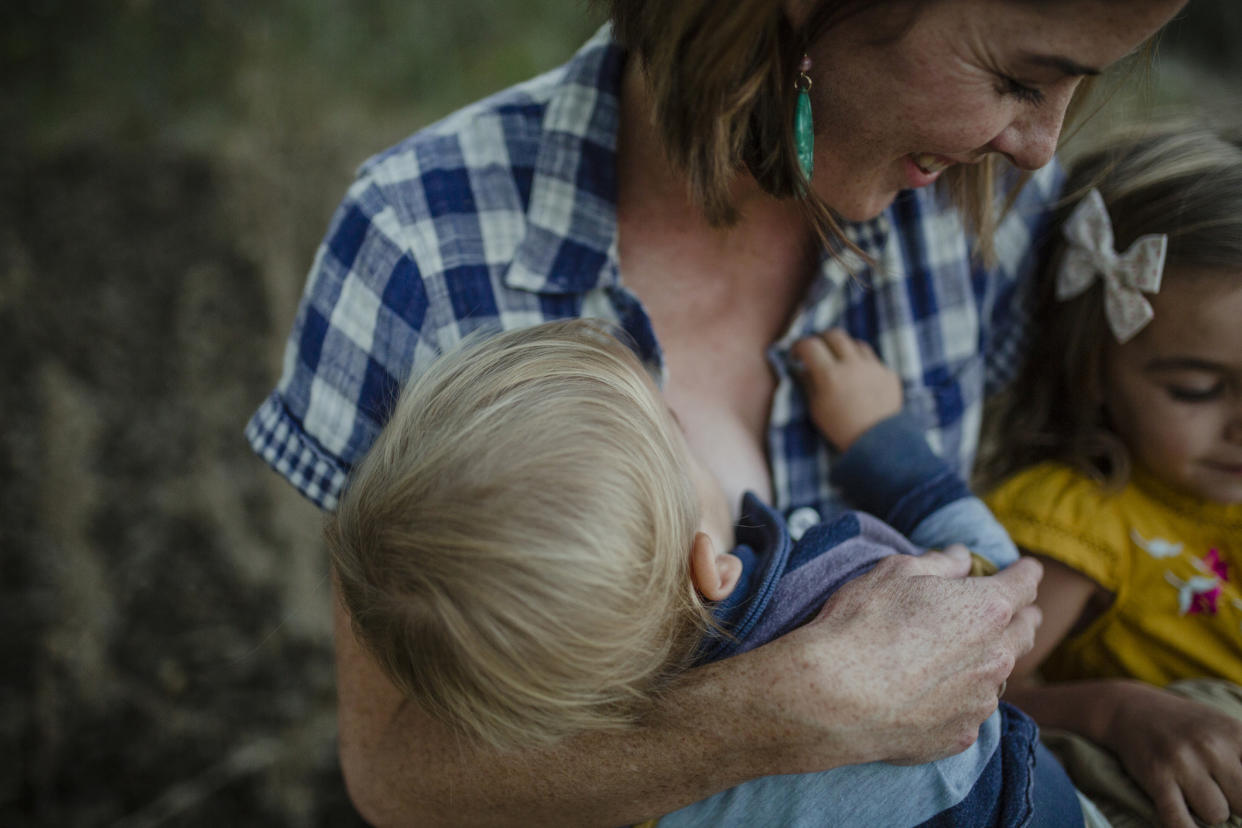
(717, 296)
(769, 235)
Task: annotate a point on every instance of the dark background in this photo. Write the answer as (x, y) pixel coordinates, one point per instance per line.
(166, 171)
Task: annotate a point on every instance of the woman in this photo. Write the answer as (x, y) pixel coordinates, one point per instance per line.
(660, 187)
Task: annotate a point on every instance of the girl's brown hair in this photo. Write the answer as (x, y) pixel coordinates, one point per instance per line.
(1177, 179)
(721, 77)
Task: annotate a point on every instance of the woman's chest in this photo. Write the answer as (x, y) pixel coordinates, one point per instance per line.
(716, 310)
(722, 397)
(717, 377)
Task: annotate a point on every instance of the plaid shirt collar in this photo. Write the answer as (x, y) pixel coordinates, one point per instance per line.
(505, 213)
(574, 187)
(584, 111)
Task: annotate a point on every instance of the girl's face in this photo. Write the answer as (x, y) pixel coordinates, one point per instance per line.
(1174, 392)
(965, 79)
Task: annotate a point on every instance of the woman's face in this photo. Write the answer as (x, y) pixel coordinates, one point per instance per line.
(965, 79)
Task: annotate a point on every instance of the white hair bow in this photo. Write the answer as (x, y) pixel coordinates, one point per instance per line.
(1126, 277)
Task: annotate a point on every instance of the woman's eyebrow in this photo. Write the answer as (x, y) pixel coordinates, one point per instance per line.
(1062, 64)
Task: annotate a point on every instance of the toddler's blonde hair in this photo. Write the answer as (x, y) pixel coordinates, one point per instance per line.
(514, 550)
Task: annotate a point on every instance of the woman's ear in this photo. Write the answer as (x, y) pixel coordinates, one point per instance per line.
(714, 574)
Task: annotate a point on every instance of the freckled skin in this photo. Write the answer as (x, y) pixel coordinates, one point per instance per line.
(939, 89)
(854, 685)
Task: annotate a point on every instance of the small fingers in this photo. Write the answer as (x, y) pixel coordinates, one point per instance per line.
(1170, 804)
(1205, 799)
(833, 345)
(1229, 778)
(815, 357)
(953, 562)
(1213, 786)
(840, 343)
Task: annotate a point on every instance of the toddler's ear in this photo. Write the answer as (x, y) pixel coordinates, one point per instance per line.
(714, 574)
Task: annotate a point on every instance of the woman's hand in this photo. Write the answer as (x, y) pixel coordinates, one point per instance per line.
(910, 657)
(1186, 755)
(902, 664)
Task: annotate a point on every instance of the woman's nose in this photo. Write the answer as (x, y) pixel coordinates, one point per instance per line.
(1030, 140)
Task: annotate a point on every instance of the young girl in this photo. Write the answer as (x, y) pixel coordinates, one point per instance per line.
(1127, 428)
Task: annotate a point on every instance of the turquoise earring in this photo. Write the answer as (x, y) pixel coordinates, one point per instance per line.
(804, 132)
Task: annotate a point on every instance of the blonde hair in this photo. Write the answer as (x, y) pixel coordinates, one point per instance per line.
(514, 550)
(721, 78)
(1177, 178)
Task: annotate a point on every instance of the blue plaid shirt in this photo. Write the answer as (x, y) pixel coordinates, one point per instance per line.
(504, 214)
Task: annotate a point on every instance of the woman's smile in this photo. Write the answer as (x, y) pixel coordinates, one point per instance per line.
(965, 79)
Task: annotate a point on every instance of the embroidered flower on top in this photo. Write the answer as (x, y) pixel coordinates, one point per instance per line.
(1212, 562)
(1156, 547)
(1197, 596)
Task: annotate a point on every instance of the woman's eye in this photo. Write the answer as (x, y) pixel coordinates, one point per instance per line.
(1193, 395)
(1021, 91)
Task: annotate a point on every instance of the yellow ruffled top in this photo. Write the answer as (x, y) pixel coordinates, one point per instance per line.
(1171, 561)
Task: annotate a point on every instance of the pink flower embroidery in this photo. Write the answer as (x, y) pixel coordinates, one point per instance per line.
(1204, 601)
(1218, 566)
(1199, 595)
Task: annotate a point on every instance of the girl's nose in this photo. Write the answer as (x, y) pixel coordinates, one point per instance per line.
(1233, 429)
(1233, 425)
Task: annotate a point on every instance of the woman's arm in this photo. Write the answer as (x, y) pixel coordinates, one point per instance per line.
(903, 664)
(402, 767)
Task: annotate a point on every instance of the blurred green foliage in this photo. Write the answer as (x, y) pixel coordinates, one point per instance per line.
(131, 70)
(196, 69)
(137, 69)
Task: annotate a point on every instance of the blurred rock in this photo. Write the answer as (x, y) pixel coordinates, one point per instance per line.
(171, 620)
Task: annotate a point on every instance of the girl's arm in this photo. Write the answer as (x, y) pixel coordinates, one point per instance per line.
(1064, 595)
(1184, 754)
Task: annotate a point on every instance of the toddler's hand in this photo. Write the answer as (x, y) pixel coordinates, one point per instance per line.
(848, 388)
(1183, 753)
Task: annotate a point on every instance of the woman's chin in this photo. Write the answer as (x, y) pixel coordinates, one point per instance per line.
(865, 209)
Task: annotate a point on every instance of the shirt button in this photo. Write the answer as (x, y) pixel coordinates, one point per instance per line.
(800, 520)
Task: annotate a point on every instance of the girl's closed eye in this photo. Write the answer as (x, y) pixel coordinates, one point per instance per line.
(1193, 394)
